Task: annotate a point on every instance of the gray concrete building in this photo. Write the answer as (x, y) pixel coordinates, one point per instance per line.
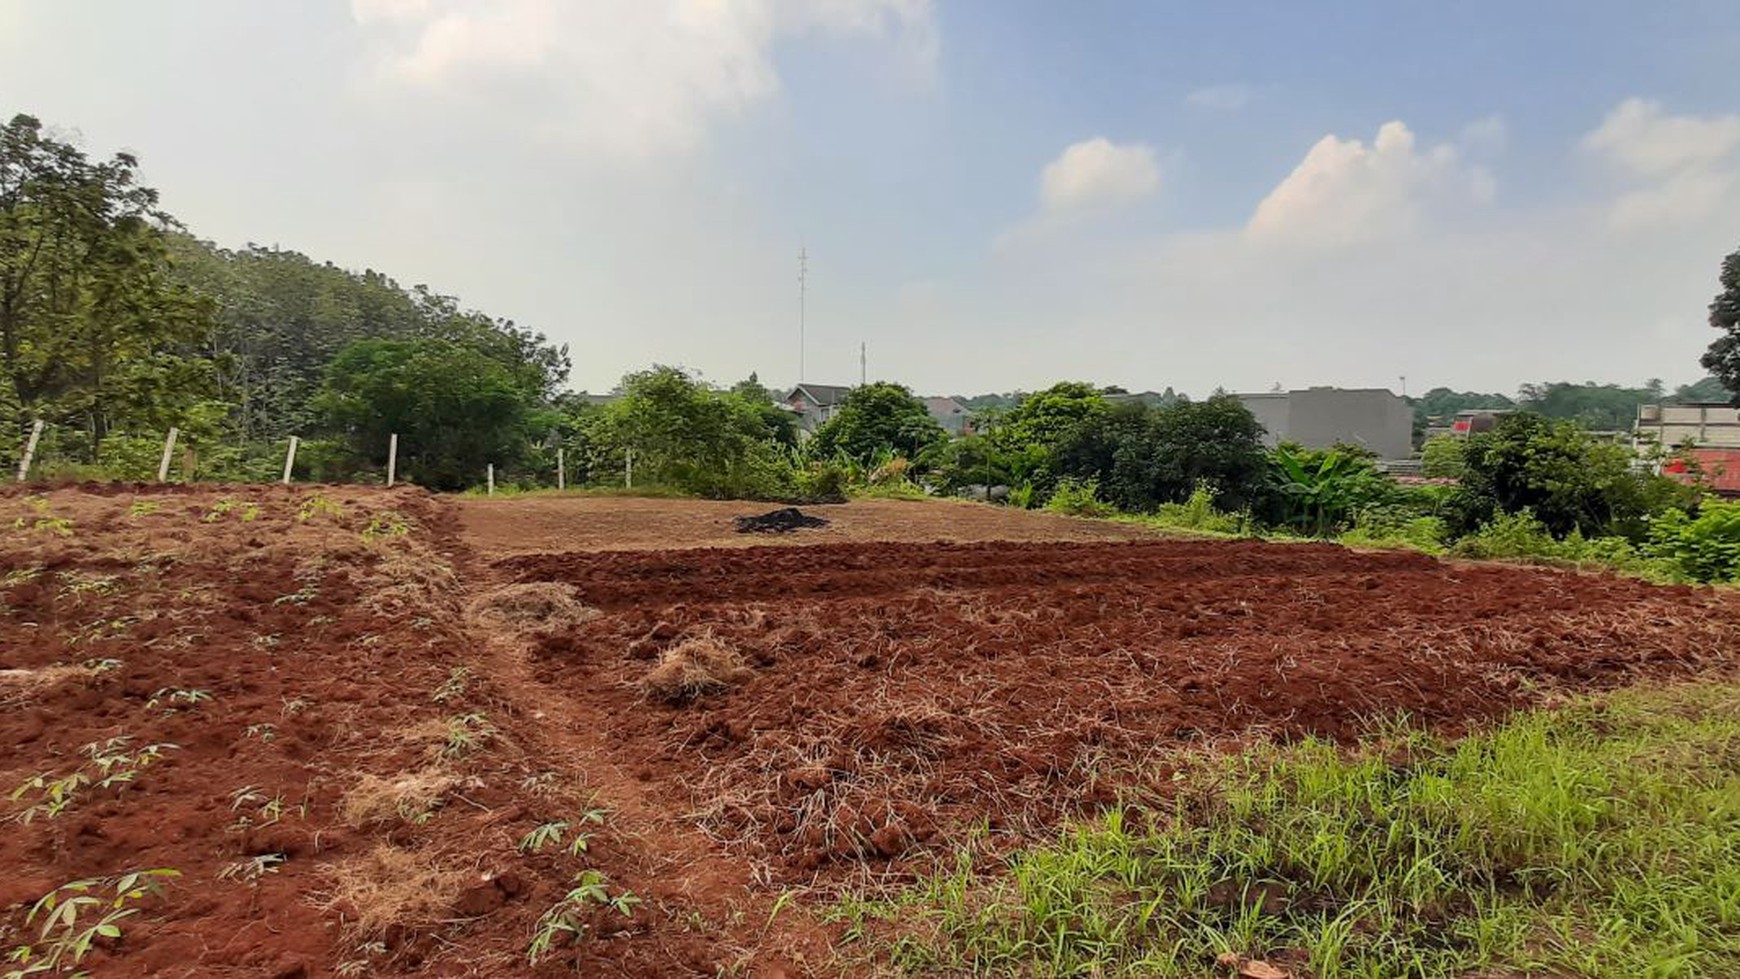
(1318, 418)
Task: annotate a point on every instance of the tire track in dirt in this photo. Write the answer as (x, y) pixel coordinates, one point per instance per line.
(724, 922)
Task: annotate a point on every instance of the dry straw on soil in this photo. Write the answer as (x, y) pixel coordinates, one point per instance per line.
(693, 668)
(389, 887)
(374, 800)
(534, 607)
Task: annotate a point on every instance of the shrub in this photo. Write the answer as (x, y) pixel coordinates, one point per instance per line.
(1198, 513)
(1509, 535)
(1391, 525)
(1078, 498)
(1701, 548)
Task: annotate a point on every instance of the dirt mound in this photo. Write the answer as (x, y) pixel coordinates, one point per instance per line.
(693, 668)
(902, 694)
(778, 522)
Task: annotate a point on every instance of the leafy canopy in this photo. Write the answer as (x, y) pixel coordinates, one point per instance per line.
(455, 408)
(878, 418)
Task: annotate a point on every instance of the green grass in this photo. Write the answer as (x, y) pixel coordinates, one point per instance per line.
(1599, 840)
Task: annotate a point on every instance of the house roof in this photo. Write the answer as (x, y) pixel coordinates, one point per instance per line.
(822, 394)
(1721, 469)
(945, 406)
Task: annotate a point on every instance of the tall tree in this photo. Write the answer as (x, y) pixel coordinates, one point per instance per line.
(91, 324)
(454, 408)
(1723, 357)
(879, 417)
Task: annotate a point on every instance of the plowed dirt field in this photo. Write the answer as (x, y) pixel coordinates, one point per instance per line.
(366, 728)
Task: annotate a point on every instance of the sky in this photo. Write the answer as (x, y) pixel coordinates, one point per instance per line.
(993, 194)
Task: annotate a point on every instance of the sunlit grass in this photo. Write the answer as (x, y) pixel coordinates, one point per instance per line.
(1599, 840)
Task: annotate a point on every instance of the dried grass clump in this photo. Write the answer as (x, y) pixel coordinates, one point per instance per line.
(389, 887)
(410, 797)
(535, 606)
(693, 668)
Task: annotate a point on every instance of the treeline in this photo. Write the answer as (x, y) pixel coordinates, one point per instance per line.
(115, 324)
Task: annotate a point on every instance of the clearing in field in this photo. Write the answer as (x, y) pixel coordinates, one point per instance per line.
(378, 733)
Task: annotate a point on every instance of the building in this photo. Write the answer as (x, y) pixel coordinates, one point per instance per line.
(815, 404)
(1318, 418)
(1710, 425)
(951, 415)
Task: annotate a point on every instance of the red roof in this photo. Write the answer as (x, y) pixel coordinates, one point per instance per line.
(1721, 469)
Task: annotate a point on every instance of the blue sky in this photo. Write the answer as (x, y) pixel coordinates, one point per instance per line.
(993, 194)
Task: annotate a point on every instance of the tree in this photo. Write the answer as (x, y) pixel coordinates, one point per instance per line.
(686, 435)
(91, 326)
(877, 418)
(1045, 419)
(1602, 407)
(1723, 357)
(1569, 479)
(454, 408)
(1143, 456)
(778, 424)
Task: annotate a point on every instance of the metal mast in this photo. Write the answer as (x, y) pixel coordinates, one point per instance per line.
(803, 286)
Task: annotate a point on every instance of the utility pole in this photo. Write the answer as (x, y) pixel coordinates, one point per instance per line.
(803, 286)
(1404, 379)
(863, 371)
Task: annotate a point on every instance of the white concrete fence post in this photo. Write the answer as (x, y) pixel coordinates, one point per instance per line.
(29, 450)
(491, 477)
(561, 471)
(168, 451)
(290, 460)
(392, 458)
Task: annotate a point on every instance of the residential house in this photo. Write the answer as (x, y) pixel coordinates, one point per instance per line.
(951, 415)
(815, 404)
(1713, 431)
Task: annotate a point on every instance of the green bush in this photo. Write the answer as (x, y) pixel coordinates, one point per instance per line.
(1078, 498)
(1197, 513)
(1392, 525)
(1701, 548)
(1520, 536)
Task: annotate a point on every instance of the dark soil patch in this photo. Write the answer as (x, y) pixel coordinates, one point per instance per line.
(778, 522)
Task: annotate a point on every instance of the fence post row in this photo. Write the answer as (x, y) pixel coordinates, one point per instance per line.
(29, 449)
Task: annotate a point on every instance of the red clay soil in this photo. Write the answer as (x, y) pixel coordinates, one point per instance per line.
(503, 526)
(749, 718)
(295, 650)
(897, 694)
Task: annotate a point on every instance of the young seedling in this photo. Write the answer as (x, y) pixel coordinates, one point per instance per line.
(466, 733)
(173, 698)
(72, 919)
(42, 519)
(252, 868)
(385, 525)
(545, 835)
(458, 679)
(143, 508)
(318, 505)
(566, 918)
(266, 731)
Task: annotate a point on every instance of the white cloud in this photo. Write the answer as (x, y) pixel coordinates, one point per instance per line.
(1220, 98)
(1677, 168)
(1638, 137)
(631, 77)
(1486, 135)
(1345, 191)
(1098, 172)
